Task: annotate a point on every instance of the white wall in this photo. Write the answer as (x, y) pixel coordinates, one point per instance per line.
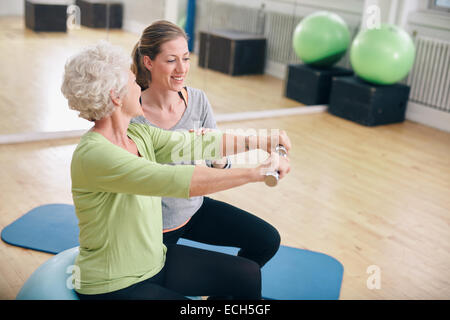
(175, 10)
(12, 8)
(138, 14)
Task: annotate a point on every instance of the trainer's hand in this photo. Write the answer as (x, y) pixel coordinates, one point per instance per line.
(200, 131)
(269, 143)
(281, 138)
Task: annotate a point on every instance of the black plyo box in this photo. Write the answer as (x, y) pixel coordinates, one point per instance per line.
(310, 85)
(94, 14)
(368, 104)
(232, 52)
(46, 16)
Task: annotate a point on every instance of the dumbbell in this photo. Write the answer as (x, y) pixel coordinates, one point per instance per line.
(271, 178)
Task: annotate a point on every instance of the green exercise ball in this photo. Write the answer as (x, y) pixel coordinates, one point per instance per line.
(382, 55)
(321, 39)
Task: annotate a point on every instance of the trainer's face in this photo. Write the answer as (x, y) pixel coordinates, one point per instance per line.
(170, 67)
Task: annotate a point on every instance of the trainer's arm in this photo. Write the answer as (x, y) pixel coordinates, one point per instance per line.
(234, 144)
(173, 146)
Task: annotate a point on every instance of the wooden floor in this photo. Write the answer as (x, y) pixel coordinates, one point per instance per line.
(366, 196)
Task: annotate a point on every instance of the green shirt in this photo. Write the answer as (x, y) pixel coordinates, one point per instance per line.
(117, 201)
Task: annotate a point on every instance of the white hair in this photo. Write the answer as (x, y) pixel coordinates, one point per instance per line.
(90, 75)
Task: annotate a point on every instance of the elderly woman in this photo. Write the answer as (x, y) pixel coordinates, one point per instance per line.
(161, 64)
(118, 179)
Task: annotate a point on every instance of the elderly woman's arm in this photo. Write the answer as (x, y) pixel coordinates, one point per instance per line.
(207, 180)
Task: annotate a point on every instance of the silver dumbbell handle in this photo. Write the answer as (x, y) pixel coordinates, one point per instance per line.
(271, 178)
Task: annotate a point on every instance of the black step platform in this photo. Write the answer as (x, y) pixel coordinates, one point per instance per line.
(232, 52)
(94, 13)
(368, 104)
(311, 85)
(46, 15)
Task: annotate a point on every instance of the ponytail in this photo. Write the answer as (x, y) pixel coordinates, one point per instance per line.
(143, 75)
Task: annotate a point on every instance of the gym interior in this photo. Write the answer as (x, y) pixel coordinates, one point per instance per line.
(362, 88)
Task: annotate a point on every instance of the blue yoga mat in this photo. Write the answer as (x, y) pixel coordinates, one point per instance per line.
(50, 228)
(292, 274)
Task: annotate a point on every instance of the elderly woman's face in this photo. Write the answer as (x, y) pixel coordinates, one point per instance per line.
(171, 65)
(131, 99)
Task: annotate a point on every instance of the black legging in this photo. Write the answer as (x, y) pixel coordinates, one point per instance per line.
(219, 223)
(194, 272)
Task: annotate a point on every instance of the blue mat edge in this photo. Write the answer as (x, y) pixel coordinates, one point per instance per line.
(6, 229)
(341, 268)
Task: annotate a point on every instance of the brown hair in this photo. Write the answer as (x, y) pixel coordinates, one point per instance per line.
(149, 45)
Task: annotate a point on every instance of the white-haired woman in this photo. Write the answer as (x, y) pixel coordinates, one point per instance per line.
(118, 176)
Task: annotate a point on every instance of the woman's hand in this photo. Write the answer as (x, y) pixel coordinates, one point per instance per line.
(283, 140)
(201, 131)
(275, 163)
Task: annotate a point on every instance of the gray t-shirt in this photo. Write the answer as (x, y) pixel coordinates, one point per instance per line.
(198, 114)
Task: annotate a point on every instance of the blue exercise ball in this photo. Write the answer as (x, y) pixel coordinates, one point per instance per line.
(52, 280)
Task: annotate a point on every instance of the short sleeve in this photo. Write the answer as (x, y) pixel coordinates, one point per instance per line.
(208, 120)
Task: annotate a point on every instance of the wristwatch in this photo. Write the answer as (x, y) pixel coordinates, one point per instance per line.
(209, 163)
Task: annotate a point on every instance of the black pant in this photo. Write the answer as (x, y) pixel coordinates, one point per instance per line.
(219, 223)
(196, 272)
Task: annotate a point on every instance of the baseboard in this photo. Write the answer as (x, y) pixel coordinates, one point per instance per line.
(276, 69)
(428, 116)
(40, 136)
(270, 114)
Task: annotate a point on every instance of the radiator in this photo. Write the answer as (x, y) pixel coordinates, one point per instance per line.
(430, 76)
(279, 31)
(219, 15)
